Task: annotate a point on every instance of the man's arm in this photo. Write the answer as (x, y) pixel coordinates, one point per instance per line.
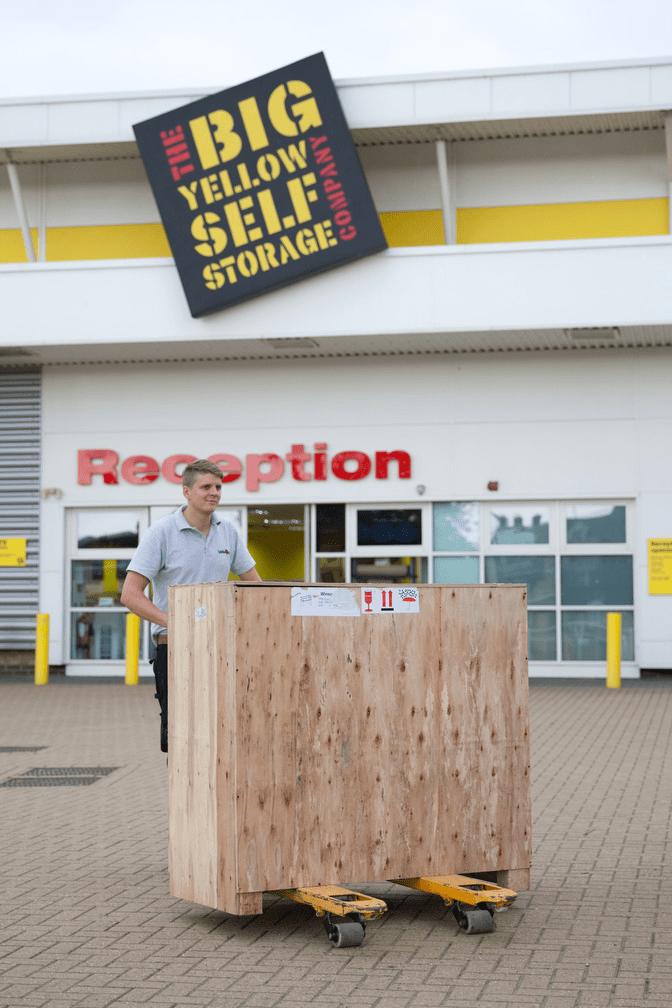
(134, 598)
(251, 575)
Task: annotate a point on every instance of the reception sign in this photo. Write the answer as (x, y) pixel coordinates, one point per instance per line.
(259, 186)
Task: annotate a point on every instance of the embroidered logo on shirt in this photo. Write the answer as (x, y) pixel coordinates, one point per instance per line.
(224, 551)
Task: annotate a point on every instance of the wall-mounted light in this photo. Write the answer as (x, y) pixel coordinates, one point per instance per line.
(420, 489)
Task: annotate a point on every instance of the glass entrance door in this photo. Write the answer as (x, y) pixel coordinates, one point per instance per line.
(276, 538)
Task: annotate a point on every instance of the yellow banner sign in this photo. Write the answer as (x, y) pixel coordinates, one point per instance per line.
(13, 552)
(660, 566)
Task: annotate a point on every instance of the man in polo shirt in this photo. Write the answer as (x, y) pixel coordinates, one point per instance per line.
(190, 546)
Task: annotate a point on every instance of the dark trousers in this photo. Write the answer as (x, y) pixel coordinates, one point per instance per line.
(161, 679)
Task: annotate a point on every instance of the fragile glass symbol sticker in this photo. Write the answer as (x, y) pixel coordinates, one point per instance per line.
(403, 599)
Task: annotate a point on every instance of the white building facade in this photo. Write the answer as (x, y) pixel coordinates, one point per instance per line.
(489, 400)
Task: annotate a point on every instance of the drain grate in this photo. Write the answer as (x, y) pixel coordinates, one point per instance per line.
(69, 771)
(21, 748)
(47, 781)
(58, 777)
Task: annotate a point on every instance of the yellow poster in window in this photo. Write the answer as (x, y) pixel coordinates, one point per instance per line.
(13, 552)
(660, 566)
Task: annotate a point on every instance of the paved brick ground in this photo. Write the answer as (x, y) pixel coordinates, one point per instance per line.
(85, 918)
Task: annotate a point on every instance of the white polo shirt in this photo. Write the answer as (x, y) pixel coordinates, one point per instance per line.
(173, 552)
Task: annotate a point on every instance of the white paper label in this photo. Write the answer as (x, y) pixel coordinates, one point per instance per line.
(377, 601)
(325, 602)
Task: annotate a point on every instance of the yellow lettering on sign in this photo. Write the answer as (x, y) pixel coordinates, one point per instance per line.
(13, 552)
(660, 566)
(214, 238)
(215, 138)
(304, 114)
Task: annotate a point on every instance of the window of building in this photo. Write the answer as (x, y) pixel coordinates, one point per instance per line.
(100, 542)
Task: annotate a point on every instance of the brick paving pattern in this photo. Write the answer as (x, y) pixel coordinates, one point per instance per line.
(86, 919)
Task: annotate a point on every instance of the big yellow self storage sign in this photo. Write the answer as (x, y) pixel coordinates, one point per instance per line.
(259, 185)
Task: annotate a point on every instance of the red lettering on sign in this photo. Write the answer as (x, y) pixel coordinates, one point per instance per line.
(97, 462)
(255, 474)
(230, 465)
(169, 470)
(402, 458)
(297, 457)
(265, 467)
(140, 469)
(361, 460)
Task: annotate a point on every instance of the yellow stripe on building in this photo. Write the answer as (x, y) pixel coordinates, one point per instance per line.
(107, 241)
(407, 228)
(557, 221)
(403, 229)
(12, 249)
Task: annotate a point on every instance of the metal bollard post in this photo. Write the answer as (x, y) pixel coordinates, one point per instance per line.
(42, 650)
(613, 650)
(132, 649)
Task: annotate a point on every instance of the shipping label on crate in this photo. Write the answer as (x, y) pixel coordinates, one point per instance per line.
(404, 599)
(325, 602)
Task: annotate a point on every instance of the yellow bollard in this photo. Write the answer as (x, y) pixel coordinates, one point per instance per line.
(42, 650)
(132, 649)
(613, 650)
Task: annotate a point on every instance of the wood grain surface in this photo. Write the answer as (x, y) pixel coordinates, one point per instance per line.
(336, 749)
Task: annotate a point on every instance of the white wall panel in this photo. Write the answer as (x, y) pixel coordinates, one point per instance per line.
(615, 88)
(442, 289)
(402, 177)
(29, 179)
(538, 93)
(447, 100)
(99, 192)
(560, 169)
(661, 84)
(84, 122)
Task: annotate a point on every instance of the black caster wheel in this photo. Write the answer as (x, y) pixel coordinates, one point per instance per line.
(349, 934)
(478, 921)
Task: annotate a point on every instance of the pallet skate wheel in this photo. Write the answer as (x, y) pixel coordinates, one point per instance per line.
(348, 934)
(476, 921)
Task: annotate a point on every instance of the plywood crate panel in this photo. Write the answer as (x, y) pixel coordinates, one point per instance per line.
(307, 750)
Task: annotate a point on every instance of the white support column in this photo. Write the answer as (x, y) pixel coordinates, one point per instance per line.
(42, 222)
(21, 210)
(447, 186)
(668, 154)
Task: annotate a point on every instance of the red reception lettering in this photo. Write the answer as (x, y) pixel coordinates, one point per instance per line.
(298, 456)
(361, 460)
(140, 469)
(275, 467)
(97, 462)
(230, 466)
(402, 458)
(169, 467)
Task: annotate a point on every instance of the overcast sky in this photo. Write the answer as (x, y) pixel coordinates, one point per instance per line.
(61, 47)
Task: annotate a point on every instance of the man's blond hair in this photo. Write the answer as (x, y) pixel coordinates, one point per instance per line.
(199, 468)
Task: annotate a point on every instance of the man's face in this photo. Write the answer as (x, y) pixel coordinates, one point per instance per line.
(204, 495)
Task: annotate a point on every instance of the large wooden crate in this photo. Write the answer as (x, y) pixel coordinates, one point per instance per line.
(307, 750)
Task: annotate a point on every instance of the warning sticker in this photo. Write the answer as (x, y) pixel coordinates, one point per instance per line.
(325, 602)
(400, 599)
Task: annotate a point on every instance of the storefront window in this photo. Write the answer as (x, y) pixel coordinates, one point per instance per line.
(538, 573)
(101, 544)
(456, 570)
(387, 527)
(97, 582)
(391, 570)
(519, 525)
(584, 636)
(105, 529)
(330, 528)
(595, 523)
(97, 636)
(331, 570)
(456, 527)
(596, 580)
(541, 643)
